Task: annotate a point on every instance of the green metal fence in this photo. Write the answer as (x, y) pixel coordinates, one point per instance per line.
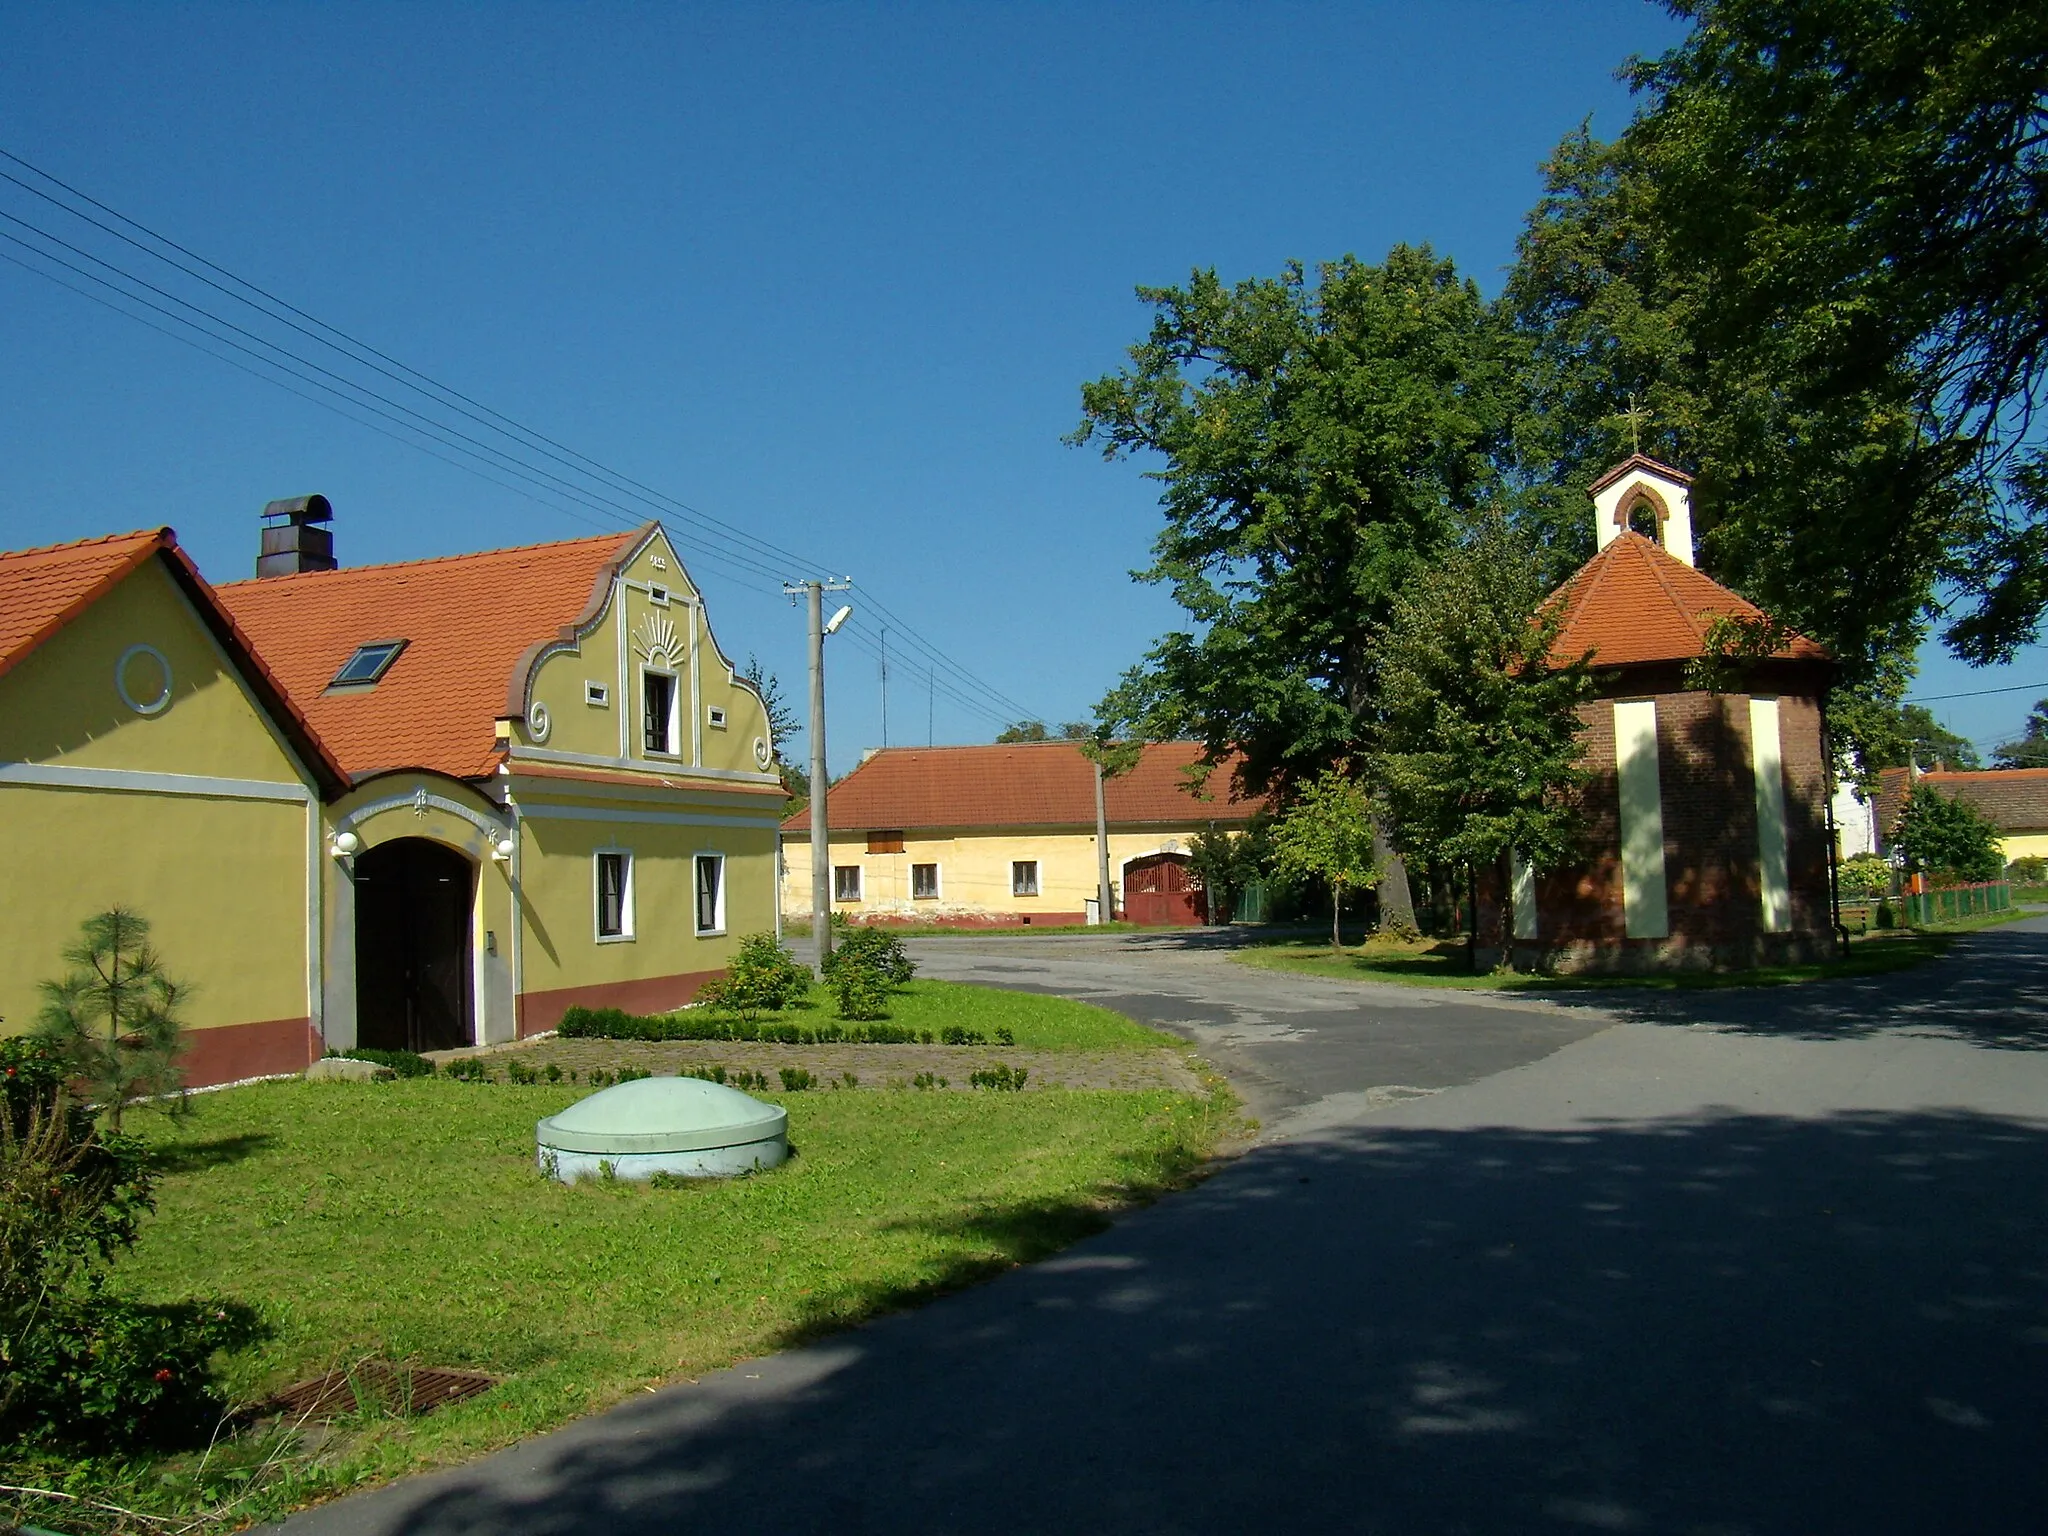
(1253, 904)
(1957, 901)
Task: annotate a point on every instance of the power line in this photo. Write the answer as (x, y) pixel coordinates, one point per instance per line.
(742, 549)
(1974, 693)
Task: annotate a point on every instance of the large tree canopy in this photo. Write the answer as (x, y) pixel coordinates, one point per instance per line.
(1317, 440)
(1817, 266)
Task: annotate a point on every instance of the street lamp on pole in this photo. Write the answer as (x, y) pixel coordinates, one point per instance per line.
(821, 840)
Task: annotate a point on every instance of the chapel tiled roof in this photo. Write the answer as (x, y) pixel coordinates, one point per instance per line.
(42, 590)
(1635, 602)
(470, 623)
(1023, 784)
(2011, 799)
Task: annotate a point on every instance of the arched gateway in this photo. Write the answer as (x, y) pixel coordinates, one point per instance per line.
(414, 971)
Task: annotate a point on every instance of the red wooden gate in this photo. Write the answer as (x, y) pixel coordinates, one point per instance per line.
(1158, 893)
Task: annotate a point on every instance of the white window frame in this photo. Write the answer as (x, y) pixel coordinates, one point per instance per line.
(938, 880)
(596, 694)
(1036, 884)
(625, 858)
(695, 859)
(859, 883)
(675, 711)
(715, 718)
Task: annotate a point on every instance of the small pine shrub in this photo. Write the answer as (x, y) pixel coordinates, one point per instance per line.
(928, 1080)
(796, 1079)
(848, 1080)
(861, 990)
(519, 1072)
(599, 1078)
(467, 1069)
(553, 1073)
(955, 1034)
(1005, 1035)
(1000, 1079)
(631, 1074)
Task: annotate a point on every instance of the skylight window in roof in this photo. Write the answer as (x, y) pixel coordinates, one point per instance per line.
(369, 663)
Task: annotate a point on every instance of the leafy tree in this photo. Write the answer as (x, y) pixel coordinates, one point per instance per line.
(782, 726)
(1813, 272)
(1947, 837)
(1035, 730)
(1224, 862)
(2030, 748)
(1327, 835)
(1479, 742)
(1316, 441)
(113, 1018)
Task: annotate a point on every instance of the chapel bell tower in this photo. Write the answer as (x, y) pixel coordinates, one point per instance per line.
(1641, 493)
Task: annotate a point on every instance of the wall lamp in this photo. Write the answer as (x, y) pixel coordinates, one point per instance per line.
(502, 850)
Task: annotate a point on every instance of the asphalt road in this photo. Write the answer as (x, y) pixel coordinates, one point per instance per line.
(1750, 1263)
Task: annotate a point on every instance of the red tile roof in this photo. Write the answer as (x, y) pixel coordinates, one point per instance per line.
(42, 590)
(471, 623)
(1023, 784)
(1636, 602)
(2011, 799)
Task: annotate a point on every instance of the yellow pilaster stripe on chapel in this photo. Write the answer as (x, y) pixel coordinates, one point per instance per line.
(1766, 758)
(1645, 911)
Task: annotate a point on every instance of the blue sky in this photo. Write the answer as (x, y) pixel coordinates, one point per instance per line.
(831, 274)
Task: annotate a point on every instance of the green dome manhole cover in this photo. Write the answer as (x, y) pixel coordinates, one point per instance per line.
(374, 1386)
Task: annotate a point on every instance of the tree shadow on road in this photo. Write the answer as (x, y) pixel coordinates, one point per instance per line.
(1715, 1324)
(1989, 990)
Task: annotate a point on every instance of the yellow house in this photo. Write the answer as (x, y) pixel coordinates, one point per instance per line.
(522, 779)
(2014, 800)
(1005, 834)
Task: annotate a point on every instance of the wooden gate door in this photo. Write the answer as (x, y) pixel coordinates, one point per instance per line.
(1158, 894)
(413, 947)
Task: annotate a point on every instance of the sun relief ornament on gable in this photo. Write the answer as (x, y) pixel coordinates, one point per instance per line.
(656, 642)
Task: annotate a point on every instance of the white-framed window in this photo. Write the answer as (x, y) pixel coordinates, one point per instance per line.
(658, 596)
(716, 717)
(612, 894)
(597, 694)
(924, 882)
(1024, 877)
(659, 728)
(708, 883)
(846, 882)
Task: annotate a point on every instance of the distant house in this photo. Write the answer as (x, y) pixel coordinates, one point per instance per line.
(2014, 800)
(419, 805)
(1006, 835)
(1706, 841)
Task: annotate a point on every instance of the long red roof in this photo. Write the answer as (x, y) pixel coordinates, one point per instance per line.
(1024, 784)
(1636, 602)
(469, 622)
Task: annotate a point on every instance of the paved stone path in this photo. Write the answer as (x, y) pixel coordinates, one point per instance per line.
(1714, 1264)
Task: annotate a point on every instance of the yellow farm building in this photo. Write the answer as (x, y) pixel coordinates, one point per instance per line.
(418, 806)
(1005, 834)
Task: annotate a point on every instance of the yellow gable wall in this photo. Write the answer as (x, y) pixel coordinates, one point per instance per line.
(61, 705)
(636, 632)
(974, 869)
(222, 878)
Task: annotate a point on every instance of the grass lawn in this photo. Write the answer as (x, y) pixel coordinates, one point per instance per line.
(800, 933)
(1043, 1023)
(407, 1221)
(1428, 963)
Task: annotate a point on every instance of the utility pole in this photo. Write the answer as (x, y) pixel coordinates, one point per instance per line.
(821, 840)
(1103, 911)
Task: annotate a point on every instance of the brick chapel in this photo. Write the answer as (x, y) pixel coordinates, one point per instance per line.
(1706, 841)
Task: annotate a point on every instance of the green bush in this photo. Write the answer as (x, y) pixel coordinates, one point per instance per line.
(1864, 878)
(467, 1069)
(2031, 870)
(1948, 839)
(861, 990)
(404, 1063)
(698, 1024)
(795, 1079)
(763, 978)
(1000, 1079)
(78, 1364)
(872, 947)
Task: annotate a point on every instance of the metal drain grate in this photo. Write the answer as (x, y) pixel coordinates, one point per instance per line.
(376, 1386)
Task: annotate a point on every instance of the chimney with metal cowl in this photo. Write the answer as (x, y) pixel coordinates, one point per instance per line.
(291, 540)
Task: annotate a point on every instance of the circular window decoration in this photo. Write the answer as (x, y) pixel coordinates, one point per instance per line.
(143, 679)
(763, 753)
(539, 722)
